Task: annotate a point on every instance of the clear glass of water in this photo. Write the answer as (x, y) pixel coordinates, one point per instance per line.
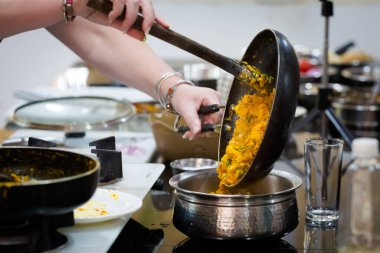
(323, 164)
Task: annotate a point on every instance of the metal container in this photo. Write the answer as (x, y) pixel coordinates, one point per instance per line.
(191, 164)
(269, 210)
(202, 74)
(308, 93)
(359, 76)
(358, 114)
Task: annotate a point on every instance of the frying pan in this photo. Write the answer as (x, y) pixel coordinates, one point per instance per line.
(271, 53)
(58, 181)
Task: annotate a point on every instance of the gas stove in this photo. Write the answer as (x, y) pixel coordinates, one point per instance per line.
(42, 233)
(33, 234)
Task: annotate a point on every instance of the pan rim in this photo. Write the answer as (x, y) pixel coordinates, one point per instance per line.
(95, 169)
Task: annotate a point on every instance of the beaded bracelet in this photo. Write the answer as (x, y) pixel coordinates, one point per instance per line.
(168, 100)
(68, 12)
(160, 82)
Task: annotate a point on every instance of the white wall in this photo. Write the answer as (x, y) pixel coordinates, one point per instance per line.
(35, 58)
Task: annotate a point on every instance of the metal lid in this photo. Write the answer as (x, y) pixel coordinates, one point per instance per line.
(73, 113)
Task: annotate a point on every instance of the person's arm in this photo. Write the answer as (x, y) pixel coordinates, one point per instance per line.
(17, 16)
(132, 62)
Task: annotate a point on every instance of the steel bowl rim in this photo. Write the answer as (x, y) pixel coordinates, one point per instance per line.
(295, 180)
(176, 164)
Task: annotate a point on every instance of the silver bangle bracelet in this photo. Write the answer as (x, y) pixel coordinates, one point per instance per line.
(168, 100)
(160, 83)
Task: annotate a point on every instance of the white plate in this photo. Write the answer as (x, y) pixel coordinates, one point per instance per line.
(106, 204)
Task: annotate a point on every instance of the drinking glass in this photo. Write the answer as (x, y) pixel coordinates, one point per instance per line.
(323, 163)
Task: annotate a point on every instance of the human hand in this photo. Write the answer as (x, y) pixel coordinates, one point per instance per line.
(187, 101)
(123, 15)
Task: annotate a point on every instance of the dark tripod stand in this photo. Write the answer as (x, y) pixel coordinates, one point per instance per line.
(324, 97)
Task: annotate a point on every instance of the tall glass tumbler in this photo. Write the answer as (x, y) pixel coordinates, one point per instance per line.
(323, 164)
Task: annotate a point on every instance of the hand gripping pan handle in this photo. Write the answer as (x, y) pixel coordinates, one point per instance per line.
(205, 127)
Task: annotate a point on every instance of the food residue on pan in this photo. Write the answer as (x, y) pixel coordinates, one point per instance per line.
(19, 179)
(252, 111)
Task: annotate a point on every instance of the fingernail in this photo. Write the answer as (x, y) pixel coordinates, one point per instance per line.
(187, 136)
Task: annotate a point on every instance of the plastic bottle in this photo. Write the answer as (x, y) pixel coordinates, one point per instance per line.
(359, 224)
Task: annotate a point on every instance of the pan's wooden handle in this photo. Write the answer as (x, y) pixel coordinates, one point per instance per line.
(176, 39)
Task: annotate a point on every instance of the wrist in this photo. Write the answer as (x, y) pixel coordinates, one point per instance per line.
(171, 93)
(163, 84)
(166, 87)
(68, 11)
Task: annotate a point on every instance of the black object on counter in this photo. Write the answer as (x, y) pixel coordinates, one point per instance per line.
(33, 234)
(344, 48)
(36, 142)
(111, 166)
(190, 245)
(136, 238)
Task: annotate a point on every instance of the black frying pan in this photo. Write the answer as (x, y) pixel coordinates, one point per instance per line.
(58, 181)
(272, 54)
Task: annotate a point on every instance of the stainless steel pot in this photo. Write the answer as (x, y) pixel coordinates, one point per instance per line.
(308, 93)
(269, 210)
(359, 76)
(358, 114)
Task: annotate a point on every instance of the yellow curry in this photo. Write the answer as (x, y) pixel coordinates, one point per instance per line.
(253, 112)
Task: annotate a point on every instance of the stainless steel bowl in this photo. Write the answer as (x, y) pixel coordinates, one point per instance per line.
(202, 74)
(355, 110)
(308, 93)
(191, 164)
(358, 76)
(269, 211)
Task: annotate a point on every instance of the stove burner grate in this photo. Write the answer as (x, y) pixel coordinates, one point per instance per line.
(33, 234)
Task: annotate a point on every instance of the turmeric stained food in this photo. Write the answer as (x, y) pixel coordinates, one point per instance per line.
(253, 111)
